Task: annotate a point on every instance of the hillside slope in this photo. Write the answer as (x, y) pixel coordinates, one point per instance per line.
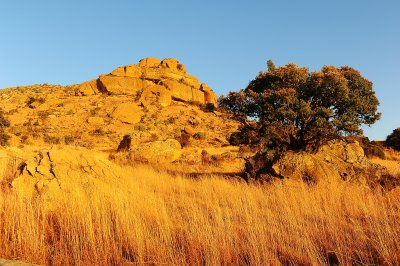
(151, 102)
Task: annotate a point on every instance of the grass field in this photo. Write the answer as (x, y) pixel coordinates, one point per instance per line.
(161, 219)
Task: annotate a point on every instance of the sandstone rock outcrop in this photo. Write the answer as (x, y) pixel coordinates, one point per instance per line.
(48, 171)
(149, 62)
(336, 160)
(88, 88)
(117, 85)
(141, 78)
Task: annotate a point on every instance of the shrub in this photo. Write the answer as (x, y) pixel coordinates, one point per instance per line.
(141, 127)
(199, 135)
(4, 123)
(4, 137)
(125, 144)
(51, 139)
(24, 139)
(68, 140)
(205, 157)
(208, 107)
(393, 140)
(371, 148)
(32, 102)
(184, 139)
(169, 120)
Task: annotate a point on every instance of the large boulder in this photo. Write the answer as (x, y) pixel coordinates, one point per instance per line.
(88, 88)
(158, 74)
(155, 94)
(336, 160)
(183, 92)
(170, 63)
(119, 72)
(191, 81)
(132, 71)
(157, 151)
(209, 95)
(128, 112)
(115, 85)
(149, 62)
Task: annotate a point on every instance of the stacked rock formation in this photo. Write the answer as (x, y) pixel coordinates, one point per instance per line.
(152, 81)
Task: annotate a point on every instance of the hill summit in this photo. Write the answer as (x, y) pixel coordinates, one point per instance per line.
(152, 81)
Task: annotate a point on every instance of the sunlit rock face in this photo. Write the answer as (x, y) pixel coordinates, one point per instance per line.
(143, 78)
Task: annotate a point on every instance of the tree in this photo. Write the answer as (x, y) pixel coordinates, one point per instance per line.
(290, 107)
(393, 140)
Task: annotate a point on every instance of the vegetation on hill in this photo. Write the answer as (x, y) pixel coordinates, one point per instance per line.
(393, 140)
(4, 123)
(291, 108)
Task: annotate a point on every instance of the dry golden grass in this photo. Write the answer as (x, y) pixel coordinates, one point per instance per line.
(160, 219)
(393, 167)
(392, 161)
(392, 154)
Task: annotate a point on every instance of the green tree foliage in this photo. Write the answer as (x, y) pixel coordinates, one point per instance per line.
(4, 123)
(393, 140)
(292, 108)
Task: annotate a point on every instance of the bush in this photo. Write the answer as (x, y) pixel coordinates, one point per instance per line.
(371, 148)
(51, 139)
(184, 139)
(125, 144)
(393, 140)
(4, 137)
(208, 107)
(4, 123)
(246, 135)
(205, 157)
(199, 135)
(32, 102)
(69, 140)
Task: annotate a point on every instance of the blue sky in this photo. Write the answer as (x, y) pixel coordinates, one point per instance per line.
(224, 43)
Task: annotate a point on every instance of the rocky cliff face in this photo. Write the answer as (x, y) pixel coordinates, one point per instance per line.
(152, 81)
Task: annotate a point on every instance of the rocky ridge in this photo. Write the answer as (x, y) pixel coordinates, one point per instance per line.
(152, 81)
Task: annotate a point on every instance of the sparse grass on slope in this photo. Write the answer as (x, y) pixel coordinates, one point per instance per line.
(172, 220)
(392, 162)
